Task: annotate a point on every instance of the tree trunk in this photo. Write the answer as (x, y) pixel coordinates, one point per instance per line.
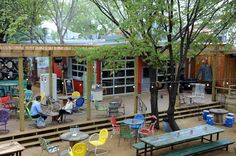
(170, 112)
(154, 94)
(2, 35)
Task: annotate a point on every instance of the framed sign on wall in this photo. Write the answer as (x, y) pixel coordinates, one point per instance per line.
(69, 87)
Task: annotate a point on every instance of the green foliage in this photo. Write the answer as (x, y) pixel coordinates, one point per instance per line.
(21, 19)
(111, 55)
(89, 20)
(161, 30)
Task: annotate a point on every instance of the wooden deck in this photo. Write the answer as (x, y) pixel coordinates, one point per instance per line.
(52, 132)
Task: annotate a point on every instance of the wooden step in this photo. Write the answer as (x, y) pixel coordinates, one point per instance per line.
(30, 138)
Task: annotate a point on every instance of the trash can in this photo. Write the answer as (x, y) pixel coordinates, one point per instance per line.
(232, 115)
(229, 121)
(204, 114)
(210, 119)
(166, 125)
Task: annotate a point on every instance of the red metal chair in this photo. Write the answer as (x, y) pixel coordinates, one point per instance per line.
(115, 126)
(148, 131)
(4, 102)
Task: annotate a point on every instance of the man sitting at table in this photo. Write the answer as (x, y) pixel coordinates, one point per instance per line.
(67, 109)
(36, 110)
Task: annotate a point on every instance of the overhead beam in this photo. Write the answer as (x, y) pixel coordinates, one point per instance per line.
(9, 50)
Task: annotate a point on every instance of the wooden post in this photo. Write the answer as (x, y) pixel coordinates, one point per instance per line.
(214, 70)
(21, 94)
(89, 67)
(50, 74)
(136, 85)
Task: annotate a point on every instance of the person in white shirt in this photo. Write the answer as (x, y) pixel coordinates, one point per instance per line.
(67, 109)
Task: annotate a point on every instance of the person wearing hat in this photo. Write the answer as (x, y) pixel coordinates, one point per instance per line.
(36, 110)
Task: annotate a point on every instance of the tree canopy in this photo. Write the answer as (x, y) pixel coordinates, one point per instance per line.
(21, 20)
(168, 30)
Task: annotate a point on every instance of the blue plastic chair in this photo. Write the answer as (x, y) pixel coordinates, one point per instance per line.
(79, 103)
(140, 117)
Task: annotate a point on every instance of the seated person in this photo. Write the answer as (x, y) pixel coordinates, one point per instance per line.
(67, 109)
(36, 110)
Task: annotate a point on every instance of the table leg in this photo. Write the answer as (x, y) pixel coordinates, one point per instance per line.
(145, 150)
(151, 150)
(202, 139)
(217, 136)
(72, 143)
(211, 137)
(218, 118)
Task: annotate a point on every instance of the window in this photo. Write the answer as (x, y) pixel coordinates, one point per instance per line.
(119, 90)
(130, 72)
(129, 89)
(120, 81)
(120, 73)
(78, 68)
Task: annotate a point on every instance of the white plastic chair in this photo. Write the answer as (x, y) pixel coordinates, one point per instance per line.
(198, 95)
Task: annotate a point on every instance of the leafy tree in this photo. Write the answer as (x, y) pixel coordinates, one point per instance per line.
(20, 20)
(61, 13)
(165, 31)
(92, 22)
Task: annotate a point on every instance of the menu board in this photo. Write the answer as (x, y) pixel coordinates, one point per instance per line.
(69, 87)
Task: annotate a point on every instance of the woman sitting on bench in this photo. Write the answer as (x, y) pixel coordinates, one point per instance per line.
(67, 109)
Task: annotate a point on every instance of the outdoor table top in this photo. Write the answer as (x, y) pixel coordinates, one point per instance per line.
(67, 96)
(218, 111)
(181, 135)
(9, 84)
(133, 121)
(50, 113)
(9, 148)
(74, 136)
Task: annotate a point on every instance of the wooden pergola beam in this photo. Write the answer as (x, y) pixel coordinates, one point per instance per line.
(12, 50)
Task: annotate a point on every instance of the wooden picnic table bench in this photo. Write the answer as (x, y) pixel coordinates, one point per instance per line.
(202, 148)
(178, 137)
(140, 147)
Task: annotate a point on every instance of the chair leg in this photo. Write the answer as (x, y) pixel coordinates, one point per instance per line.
(41, 152)
(119, 141)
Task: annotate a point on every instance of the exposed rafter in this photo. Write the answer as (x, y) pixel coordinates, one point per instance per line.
(33, 50)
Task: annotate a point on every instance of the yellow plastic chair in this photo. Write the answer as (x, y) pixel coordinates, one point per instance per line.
(76, 93)
(43, 98)
(79, 149)
(102, 138)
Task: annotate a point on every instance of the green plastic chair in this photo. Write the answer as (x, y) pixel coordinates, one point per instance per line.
(100, 107)
(126, 133)
(27, 109)
(50, 149)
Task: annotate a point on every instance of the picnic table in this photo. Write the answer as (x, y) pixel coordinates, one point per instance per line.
(181, 136)
(11, 148)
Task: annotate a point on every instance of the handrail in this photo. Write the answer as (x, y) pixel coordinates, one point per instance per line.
(142, 108)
